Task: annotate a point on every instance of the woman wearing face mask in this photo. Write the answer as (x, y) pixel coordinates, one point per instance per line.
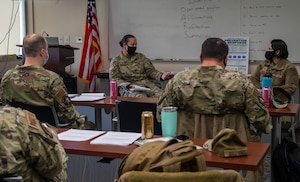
(132, 69)
(284, 73)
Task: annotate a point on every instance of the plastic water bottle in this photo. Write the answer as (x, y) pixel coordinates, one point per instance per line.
(113, 89)
(266, 95)
(266, 85)
(266, 80)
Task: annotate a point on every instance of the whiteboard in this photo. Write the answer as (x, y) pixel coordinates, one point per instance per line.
(175, 29)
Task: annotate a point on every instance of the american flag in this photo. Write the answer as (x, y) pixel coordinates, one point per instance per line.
(91, 58)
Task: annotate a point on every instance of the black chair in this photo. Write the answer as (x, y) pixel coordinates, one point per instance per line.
(42, 113)
(129, 115)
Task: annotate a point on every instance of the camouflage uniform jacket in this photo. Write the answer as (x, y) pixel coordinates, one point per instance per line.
(29, 148)
(212, 98)
(137, 70)
(284, 75)
(37, 86)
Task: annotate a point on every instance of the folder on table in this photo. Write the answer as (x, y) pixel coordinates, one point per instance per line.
(87, 96)
(79, 135)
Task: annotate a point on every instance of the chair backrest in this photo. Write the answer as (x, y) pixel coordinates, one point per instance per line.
(129, 115)
(211, 175)
(43, 113)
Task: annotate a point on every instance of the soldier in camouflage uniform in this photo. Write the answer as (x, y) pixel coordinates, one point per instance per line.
(32, 84)
(30, 148)
(210, 98)
(131, 69)
(284, 73)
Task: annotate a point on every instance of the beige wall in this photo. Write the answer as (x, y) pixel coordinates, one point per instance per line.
(67, 17)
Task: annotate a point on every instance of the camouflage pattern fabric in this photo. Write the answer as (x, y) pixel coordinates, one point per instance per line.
(210, 99)
(30, 148)
(37, 86)
(210, 95)
(137, 70)
(284, 75)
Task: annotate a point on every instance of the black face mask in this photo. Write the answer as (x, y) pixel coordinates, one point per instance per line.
(270, 55)
(131, 50)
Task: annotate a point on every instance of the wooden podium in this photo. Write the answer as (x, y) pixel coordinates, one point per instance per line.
(60, 56)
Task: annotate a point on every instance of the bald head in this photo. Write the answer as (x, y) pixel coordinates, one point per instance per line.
(33, 44)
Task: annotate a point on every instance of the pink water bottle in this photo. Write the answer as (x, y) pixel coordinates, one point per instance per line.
(266, 95)
(113, 89)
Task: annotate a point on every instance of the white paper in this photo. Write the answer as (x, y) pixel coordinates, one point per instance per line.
(78, 135)
(88, 97)
(73, 95)
(93, 94)
(139, 88)
(117, 138)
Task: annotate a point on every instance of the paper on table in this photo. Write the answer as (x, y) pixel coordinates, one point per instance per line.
(86, 98)
(139, 88)
(93, 94)
(117, 138)
(78, 135)
(73, 95)
(89, 97)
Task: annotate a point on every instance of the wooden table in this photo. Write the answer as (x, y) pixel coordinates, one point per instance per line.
(257, 152)
(290, 110)
(107, 103)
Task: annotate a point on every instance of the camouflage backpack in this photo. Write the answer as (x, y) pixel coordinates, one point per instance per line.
(162, 156)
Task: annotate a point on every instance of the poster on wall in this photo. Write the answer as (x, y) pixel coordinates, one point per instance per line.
(238, 56)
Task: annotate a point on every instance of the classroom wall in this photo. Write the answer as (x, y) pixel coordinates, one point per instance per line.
(180, 26)
(67, 17)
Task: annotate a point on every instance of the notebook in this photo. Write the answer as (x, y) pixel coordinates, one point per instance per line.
(87, 96)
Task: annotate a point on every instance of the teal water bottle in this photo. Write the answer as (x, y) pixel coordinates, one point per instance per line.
(266, 86)
(266, 80)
